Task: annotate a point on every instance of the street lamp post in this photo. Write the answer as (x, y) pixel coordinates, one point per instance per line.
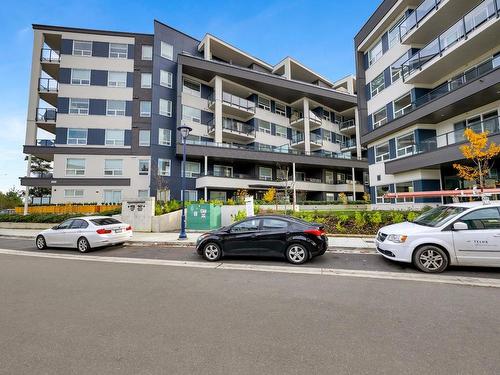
(184, 130)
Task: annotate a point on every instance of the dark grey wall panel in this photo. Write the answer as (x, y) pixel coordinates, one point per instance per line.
(130, 79)
(97, 107)
(61, 136)
(64, 75)
(128, 108)
(128, 137)
(62, 105)
(99, 77)
(130, 52)
(66, 47)
(96, 136)
(100, 49)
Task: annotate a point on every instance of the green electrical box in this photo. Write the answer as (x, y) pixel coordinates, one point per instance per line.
(203, 216)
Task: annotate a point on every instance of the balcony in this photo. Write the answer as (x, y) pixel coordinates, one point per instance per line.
(46, 118)
(233, 130)
(349, 145)
(234, 105)
(50, 60)
(298, 141)
(473, 35)
(297, 121)
(48, 89)
(44, 149)
(348, 127)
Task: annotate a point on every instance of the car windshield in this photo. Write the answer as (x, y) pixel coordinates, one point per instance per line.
(105, 221)
(438, 215)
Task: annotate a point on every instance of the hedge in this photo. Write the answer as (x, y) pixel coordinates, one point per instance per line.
(47, 218)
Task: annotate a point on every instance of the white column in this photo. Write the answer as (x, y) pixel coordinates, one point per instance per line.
(27, 188)
(307, 132)
(218, 109)
(294, 196)
(205, 194)
(358, 134)
(288, 69)
(207, 54)
(353, 185)
(206, 165)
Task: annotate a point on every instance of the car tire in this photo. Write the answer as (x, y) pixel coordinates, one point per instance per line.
(212, 252)
(83, 245)
(430, 259)
(40, 243)
(297, 254)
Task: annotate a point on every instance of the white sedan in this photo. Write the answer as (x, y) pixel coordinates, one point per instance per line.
(464, 234)
(85, 233)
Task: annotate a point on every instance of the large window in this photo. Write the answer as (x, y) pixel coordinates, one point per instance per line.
(281, 131)
(191, 114)
(115, 137)
(113, 167)
(163, 167)
(117, 79)
(192, 169)
(326, 115)
(78, 106)
(191, 87)
(378, 84)
(144, 138)
(147, 52)
(75, 167)
(145, 108)
(218, 196)
(223, 171)
(80, 77)
(379, 118)
(167, 50)
(77, 137)
(82, 48)
(375, 53)
(166, 79)
(115, 107)
(146, 80)
(73, 193)
(164, 137)
(380, 191)
(265, 173)
(402, 105)
(280, 109)
(112, 196)
(329, 177)
(396, 68)
(404, 187)
(118, 50)
(264, 126)
(382, 152)
(405, 145)
(143, 166)
(191, 195)
(264, 103)
(165, 107)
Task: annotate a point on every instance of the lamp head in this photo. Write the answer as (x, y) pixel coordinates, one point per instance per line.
(184, 130)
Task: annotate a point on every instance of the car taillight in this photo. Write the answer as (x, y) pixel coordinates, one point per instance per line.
(315, 232)
(129, 227)
(103, 231)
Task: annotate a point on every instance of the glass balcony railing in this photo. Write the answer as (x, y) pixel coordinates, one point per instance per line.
(49, 55)
(233, 126)
(234, 101)
(313, 117)
(412, 21)
(45, 142)
(347, 124)
(48, 85)
(348, 144)
(46, 114)
(460, 30)
(314, 138)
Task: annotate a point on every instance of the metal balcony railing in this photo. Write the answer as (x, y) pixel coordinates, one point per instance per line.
(413, 19)
(46, 114)
(233, 126)
(314, 138)
(347, 124)
(313, 117)
(45, 142)
(48, 85)
(234, 101)
(348, 144)
(49, 55)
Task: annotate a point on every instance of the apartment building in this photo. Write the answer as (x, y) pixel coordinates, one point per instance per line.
(425, 71)
(104, 107)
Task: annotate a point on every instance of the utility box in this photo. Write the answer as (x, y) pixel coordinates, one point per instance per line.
(203, 216)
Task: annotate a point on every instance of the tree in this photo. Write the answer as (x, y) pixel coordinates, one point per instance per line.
(40, 168)
(10, 199)
(270, 195)
(288, 185)
(479, 154)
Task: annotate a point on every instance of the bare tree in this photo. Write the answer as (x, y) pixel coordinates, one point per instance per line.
(286, 183)
(158, 181)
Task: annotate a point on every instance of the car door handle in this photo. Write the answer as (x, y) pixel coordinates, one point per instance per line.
(253, 236)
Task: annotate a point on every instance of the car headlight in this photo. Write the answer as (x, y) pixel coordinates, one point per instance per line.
(397, 238)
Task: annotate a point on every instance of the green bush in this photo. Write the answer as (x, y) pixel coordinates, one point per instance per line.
(375, 218)
(239, 216)
(342, 219)
(412, 216)
(398, 217)
(359, 219)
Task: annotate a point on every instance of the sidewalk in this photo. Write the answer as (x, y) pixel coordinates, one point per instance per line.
(171, 239)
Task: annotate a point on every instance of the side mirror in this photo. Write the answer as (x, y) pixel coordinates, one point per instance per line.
(459, 225)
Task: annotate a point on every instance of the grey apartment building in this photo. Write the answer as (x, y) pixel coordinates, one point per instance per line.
(104, 107)
(425, 71)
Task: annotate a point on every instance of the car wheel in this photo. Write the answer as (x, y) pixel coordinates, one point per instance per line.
(297, 254)
(212, 252)
(83, 245)
(431, 259)
(40, 243)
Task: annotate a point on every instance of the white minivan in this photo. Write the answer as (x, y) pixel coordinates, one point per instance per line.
(464, 234)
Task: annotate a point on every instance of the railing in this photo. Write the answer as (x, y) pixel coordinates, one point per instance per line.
(45, 142)
(48, 85)
(233, 126)
(347, 124)
(348, 144)
(49, 55)
(297, 116)
(403, 111)
(418, 15)
(234, 101)
(243, 176)
(460, 30)
(314, 138)
(46, 114)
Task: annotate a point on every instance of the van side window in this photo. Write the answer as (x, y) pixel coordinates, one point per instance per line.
(484, 218)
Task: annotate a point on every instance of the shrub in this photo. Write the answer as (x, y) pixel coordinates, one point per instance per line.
(359, 219)
(343, 198)
(412, 216)
(398, 217)
(240, 215)
(342, 219)
(230, 202)
(366, 198)
(375, 218)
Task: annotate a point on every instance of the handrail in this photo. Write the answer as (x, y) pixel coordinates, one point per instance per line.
(347, 124)
(413, 19)
(46, 114)
(296, 116)
(45, 142)
(234, 101)
(232, 125)
(48, 85)
(49, 55)
(349, 143)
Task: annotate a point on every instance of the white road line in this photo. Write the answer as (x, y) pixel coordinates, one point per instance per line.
(421, 277)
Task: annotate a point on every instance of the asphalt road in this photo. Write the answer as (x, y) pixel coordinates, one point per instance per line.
(61, 316)
(334, 260)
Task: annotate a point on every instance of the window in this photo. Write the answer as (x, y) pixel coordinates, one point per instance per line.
(191, 195)
(281, 174)
(191, 87)
(80, 76)
(223, 171)
(65, 224)
(341, 178)
(329, 177)
(265, 127)
(218, 196)
(164, 137)
(378, 84)
(73, 193)
(147, 52)
(191, 114)
(327, 135)
(396, 69)
(404, 187)
(82, 48)
(112, 196)
(326, 115)
(382, 152)
(330, 197)
(163, 195)
(77, 137)
(380, 191)
(78, 106)
(375, 53)
(75, 167)
(114, 137)
(405, 144)
(165, 107)
(281, 131)
(166, 79)
(163, 167)
(265, 173)
(394, 33)
(115, 107)
(145, 108)
(402, 105)
(143, 166)
(79, 224)
(146, 80)
(144, 138)
(246, 226)
(113, 167)
(192, 169)
(167, 51)
(118, 50)
(274, 224)
(264, 103)
(143, 194)
(117, 79)
(379, 118)
(484, 218)
(105, 221)
(280, 109)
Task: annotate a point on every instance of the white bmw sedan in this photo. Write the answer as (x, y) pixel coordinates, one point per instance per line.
(85, 233)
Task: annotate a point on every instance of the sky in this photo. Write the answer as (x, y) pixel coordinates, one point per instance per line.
(317, 33)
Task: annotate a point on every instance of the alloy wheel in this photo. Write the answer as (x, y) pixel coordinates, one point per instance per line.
(83, 245)
(431, 259)
(40, 243)
(211, 252)
(296, 254)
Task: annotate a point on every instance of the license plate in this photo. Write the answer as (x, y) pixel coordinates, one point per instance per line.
(118, 230)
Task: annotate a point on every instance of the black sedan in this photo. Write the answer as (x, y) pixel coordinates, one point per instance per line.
(272, 236)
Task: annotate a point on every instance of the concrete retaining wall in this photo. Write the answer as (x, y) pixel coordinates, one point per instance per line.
(167, 222)
(5, 225)
(226, 213)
